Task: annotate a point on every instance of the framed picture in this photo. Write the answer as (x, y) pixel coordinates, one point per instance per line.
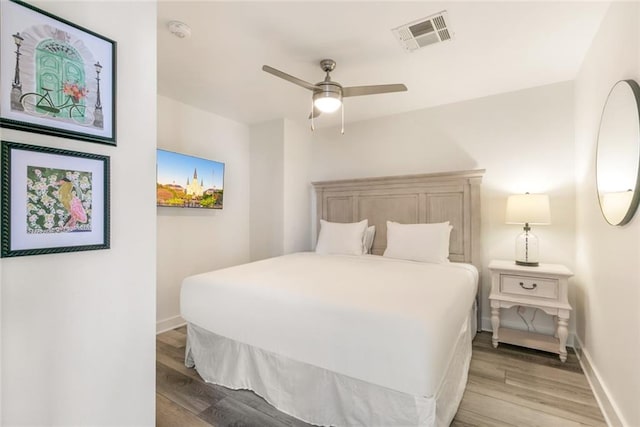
(185, 181)
(53, 200)
(56, 78)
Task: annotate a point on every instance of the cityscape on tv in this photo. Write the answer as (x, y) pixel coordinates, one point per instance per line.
(188, 182)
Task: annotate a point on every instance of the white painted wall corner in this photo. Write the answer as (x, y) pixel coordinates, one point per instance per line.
(611, 412)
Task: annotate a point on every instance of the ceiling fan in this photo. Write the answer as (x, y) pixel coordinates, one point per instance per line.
(327, 94)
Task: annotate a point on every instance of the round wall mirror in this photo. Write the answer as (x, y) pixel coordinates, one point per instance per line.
(618, 153)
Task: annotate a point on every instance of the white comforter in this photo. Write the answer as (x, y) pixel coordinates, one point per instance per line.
(389, 322)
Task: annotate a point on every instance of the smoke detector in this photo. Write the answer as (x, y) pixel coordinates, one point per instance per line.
(424, 32)
(179, 29)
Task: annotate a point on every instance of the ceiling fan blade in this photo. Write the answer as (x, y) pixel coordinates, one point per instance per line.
(372, 90)
(288, 77)
(315, 113)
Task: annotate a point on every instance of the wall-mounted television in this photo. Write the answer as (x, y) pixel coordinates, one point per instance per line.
(188, 182)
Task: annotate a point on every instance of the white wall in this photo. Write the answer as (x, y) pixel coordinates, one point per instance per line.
(523, 139)
(267, 182)
(297, 188)
(192, 241)
(608, 258)
(78, 328)
(280, 189)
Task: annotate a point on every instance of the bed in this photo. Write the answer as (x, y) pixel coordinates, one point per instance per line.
(343, 339)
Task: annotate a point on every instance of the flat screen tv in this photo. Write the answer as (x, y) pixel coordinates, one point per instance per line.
(188, 182)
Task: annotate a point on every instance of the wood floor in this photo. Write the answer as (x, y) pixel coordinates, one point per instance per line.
(510, 386)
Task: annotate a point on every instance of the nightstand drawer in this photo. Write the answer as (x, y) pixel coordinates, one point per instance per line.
(529, 286)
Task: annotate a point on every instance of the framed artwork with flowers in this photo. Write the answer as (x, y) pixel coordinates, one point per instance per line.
(56, 77)
(53, 200)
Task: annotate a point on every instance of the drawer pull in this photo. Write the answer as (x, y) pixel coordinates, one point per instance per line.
(533, 286)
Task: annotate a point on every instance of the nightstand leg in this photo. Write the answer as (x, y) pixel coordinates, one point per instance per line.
(495, 324)
(563, 333)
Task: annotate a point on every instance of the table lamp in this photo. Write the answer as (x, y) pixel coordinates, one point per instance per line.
(528, 209)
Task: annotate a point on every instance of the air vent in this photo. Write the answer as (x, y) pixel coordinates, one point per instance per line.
(424, 32)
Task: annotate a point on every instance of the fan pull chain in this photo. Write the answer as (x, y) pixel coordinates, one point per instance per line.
(312, 124)
(342, 108)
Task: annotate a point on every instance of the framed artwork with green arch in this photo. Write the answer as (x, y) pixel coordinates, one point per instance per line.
(56, 78)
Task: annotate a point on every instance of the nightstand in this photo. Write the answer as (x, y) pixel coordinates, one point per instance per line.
(544, 287)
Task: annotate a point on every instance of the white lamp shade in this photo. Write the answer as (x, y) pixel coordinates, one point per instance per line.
(327, 104)
(528, 209)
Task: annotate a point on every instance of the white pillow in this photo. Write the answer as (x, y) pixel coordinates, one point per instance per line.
(418, 242)
(369, 235)
(339, 238)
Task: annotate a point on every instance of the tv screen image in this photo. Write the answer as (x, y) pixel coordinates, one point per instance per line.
(188, 182)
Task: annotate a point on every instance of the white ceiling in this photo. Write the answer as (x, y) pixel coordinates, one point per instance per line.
(497, 47)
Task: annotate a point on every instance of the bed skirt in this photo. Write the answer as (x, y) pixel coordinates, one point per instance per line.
(322, 397)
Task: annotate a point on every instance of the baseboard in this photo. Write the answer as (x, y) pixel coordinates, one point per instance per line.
(168, 324)
(609, 409)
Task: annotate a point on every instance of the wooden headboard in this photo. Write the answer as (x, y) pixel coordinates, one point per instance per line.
(409, 199)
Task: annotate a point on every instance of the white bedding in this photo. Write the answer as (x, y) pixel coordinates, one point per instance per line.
(388, 322)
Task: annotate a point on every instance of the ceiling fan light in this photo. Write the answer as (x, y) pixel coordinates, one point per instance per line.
(327, 102)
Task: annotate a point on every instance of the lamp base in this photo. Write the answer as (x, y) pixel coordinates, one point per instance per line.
(528, 264)
(527, 248)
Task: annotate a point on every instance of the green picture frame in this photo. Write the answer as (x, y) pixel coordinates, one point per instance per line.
(58, 78)
(53, 200)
